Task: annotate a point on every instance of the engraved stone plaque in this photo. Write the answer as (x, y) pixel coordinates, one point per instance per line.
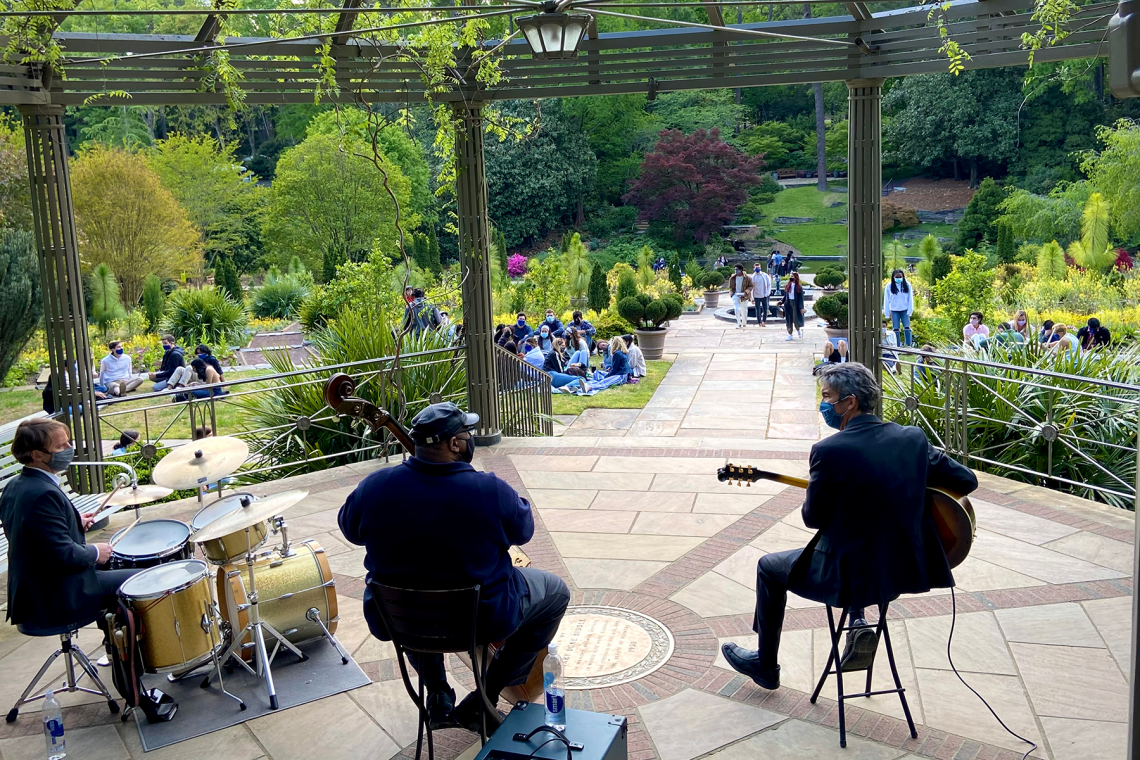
(605, 646)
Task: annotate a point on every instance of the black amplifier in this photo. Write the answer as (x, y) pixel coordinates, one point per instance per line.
(592, 736)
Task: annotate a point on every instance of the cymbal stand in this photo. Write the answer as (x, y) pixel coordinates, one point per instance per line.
(280, 526)
(314, 616)
(258, 629)
(209, 629)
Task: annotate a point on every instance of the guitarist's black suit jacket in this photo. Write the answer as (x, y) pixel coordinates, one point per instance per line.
(866, 495)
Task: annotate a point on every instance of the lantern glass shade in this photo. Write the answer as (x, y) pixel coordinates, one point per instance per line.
(554, 35)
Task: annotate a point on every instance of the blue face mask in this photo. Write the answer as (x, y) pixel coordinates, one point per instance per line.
(545, 332)
(899, 280)
(522, 322)
(166, 348)
(831, 418)
(118, 352)
(549, 317)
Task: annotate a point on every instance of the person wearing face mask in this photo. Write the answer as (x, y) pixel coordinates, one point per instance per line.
(761, 291)
(53, 575)
(898, 305)
(172, 358)
(521, 330)
(115, 371)
(975, 330)
(203, 352)
(740, 285)
(545, 336)
(436, 498)
(554, 323)
(1020, 323)
(584, 328)
(866, 497)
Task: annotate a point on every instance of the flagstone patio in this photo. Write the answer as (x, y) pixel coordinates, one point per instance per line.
(630, 513)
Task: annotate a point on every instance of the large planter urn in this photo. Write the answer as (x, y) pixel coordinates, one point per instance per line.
(835, 333)
(712, 299)
(651, 342)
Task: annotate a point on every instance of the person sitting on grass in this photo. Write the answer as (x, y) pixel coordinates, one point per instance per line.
(533, 356)
(604, 353)
(116, 372)
(1008, 336)
(619, 360)
(553, 360)
(636, 358)
(200, 373)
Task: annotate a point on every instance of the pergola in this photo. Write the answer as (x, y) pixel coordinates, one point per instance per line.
(861, 48)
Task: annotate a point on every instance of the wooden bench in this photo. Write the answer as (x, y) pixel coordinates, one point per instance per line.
(10, 468)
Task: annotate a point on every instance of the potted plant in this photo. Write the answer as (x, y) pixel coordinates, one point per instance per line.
(648, 315)
(830, 278)
(833, 308)
(711, 283)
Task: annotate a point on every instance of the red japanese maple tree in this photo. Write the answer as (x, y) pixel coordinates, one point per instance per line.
(693, 182)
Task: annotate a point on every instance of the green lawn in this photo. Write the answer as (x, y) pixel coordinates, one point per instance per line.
(805, 202)
(621, 397)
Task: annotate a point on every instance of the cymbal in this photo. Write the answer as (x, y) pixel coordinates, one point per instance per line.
(133, 497)
(242, 518)
(199, 462)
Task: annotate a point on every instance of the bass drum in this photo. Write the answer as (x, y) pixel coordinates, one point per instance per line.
(179, 620)
(287, 588)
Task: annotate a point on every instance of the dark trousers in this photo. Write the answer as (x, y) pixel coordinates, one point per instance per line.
(761, 309)
(773, 582)
(543, 606)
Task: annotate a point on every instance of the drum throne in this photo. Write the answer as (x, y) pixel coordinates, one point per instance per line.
(71, 654)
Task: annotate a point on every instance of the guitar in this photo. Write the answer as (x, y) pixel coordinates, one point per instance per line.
(338, 395)
(953, 513)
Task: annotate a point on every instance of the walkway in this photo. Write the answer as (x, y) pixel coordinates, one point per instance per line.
(630, 514)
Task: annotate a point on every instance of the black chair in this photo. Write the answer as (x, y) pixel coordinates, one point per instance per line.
(833, 659)
(71, 654)
(434, 622)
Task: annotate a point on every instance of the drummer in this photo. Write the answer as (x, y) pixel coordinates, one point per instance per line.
(52, 572)
(469, 519)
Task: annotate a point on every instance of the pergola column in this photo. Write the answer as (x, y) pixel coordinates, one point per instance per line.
(474, 237)
(65, 317)
(864, 225)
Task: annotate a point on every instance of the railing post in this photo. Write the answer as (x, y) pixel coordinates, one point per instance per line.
(65, 317)
(1134, 669)
(864, 225)
(478, 309)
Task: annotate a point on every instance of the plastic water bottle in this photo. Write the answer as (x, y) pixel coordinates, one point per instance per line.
(552, 685)
(53, 728)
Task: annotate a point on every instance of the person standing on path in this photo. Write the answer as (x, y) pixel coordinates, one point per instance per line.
(761, 290)
(898, 305)
(741, 288)
(794, 305)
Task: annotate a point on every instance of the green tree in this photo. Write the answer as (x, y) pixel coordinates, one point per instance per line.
(943, 121)
(153, 302)
(599, 294)
(434, 262)
(1094, 249)
(129, 221)
(1051, 261)
(968, 287)
(1005, 250)
(549, 286)
(1055, 216)
(894, 256)
(326, 198)
(500, 248)
(978, 223)
(1114, 172)
(333, 257)
(105, 304)
(227, 280)
(626, 286)
(645, 274)
(619, 130)
(940, 266)
(220, 196)
(15, 200)
(21, 301)
(121, 127)
(578, 268)
(928, 251)
(419, 253)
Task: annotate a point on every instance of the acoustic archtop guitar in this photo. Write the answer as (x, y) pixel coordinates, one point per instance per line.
(953, 513)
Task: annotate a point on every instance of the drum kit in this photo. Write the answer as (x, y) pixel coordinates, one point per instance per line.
(267, 598)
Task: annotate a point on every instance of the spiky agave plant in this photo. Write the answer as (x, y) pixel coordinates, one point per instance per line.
(1070, 427)
(403, 388)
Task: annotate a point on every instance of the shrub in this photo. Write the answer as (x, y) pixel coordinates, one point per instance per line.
(21, 304)
(830, 279)
(598, 295)
(281, 298)
(712, 280)
(227, 280)
(205, 316)
(607, 220)
(627, 285)
(833, 308)
(940, 267)
(894, 215)
(153, 301)
(609, 324)
(365, 285)
(516, 265)
(647, 313)
(105, 305)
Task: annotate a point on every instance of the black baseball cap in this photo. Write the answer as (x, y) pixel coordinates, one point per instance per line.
(438, 422)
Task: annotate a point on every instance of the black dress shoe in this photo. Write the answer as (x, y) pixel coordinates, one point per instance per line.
(467, 715)
(440, 708)
(747, 662)
(859, 651)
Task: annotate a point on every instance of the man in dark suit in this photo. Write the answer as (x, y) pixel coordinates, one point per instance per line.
(52, 577)
(866, 496)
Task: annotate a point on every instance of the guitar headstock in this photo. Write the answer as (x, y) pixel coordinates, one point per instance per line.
(739, 474)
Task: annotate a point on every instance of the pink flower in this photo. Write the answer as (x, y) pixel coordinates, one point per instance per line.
(1123, 260)
(516, 265)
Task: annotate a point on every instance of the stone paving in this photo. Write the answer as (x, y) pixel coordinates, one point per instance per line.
(629, 513)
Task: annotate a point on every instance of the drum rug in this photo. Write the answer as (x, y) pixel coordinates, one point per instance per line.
(202, 711)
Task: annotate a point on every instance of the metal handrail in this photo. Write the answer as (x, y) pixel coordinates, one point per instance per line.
(526, 403)
(932, 390)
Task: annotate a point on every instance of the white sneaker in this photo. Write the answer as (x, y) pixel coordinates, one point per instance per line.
(788, 338)
(800, 332)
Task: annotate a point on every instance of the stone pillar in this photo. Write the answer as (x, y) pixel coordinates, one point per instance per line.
(474, 237)
(65, 317)
(864, 225)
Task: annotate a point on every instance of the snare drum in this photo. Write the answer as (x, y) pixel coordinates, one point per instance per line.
(151, 543)
(287, 587)
(179, 621)
(233, 546)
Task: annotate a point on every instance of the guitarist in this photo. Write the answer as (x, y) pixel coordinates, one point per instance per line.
(866, 497)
